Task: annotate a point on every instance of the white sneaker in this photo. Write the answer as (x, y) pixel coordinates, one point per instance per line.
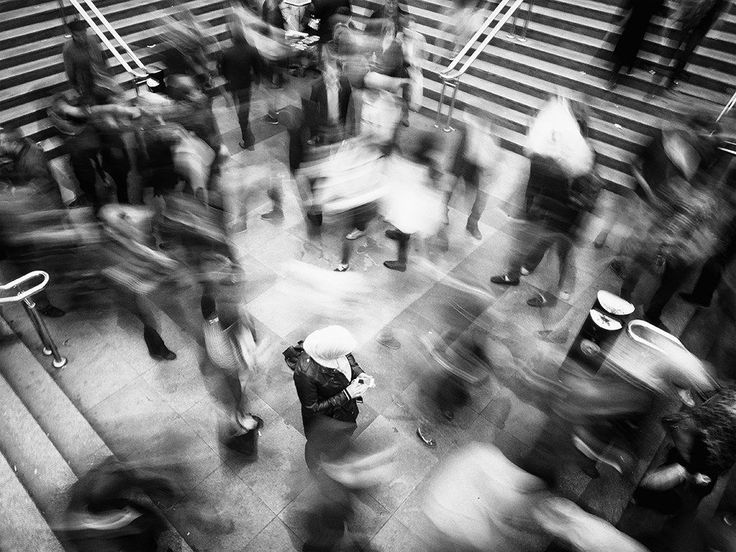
(355, 234)
(525, 271)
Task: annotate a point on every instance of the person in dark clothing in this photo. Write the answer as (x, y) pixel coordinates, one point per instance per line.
(27, 189)
(84, 63)
(632, 34)
(710, 274)
(697, 17)
(241, 67)
(556, 218)
(325, 10)
(329, 383)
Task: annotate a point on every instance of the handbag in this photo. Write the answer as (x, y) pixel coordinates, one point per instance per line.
(292, 354)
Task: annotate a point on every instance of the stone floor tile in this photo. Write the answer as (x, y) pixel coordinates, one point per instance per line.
(416, 461)
(180, 392)
(396, 537)
(276, 537)
(280, 473)
(226, 497)
(87, 388)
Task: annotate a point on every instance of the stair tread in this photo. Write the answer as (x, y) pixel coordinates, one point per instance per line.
(72, 435)
(30, 452)
(22, 526)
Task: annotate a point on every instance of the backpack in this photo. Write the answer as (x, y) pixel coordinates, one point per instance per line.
(292, 354)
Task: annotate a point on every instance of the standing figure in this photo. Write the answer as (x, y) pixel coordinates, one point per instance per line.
(84, 64)
(241, 66)
(477, 150)
(329, 383)
(632, 35)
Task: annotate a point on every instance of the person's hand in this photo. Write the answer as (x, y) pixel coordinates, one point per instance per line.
(700, 479)
(356, 389)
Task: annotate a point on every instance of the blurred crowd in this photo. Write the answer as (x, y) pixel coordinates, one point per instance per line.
(158, 200)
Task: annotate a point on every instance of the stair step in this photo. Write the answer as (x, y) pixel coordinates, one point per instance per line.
(32, 455)
(22, 527)
(67, 429)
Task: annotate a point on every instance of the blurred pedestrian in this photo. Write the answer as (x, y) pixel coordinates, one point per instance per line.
(85, 64)
(241, 67)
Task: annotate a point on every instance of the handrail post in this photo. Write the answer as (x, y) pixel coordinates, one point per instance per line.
(448, 128)
(49, 347)
(439, 105)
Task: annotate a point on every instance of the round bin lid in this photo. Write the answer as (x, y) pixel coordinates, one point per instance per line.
(604, 321)
(614, 304)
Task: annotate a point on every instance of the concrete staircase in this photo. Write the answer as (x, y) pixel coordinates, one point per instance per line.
(46, 443)
(565, 51)
(31, 67)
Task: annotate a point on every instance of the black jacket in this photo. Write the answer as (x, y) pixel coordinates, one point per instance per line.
(321, 390)
(241, 65)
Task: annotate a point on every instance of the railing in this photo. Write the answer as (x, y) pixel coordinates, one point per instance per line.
(451, 76)
(726, 108)
(23, 296)
(141, 74)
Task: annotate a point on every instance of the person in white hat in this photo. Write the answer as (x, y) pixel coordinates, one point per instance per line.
(329, 383)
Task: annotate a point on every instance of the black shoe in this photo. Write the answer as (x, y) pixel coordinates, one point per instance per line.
(473, 231)
(50, 311)
(505, 280)
(273, 214)
(395, 265)
(542, 300)
(156, 347)
(249, 147)
(690, 298)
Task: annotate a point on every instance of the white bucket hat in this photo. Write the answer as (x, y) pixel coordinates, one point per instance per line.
(327, 345)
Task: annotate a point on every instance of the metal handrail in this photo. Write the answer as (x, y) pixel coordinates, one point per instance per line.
(115, 35)
(451, 76)
(83, 13)
(728, 107)
(24, 298)
(22, 280)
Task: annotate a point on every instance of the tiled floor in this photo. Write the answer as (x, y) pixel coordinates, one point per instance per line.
(142, 409)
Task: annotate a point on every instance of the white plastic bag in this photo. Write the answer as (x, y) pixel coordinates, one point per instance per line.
(555, 134)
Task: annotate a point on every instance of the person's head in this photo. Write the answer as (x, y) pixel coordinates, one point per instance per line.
(11, 142)
(327, 345)
(78, 29)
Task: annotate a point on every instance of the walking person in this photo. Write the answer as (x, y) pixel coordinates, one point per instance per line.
(241, 67)
(329, 383)
(632, 35)
(476, 152)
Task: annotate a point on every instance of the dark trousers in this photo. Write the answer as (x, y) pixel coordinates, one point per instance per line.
(544, 239)
(241, 99)
(357, 218)
(673, 277)
(470, 174)
(115, 163)
(688, 38)
(710, 274)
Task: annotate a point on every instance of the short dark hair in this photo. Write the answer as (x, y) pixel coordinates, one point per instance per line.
(77, 25)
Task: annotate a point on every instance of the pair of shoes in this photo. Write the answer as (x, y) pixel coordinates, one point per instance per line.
(354, 234)
(249, 147)
(50, 311)
(342, 267)
(542, 300)
(472, 229)
(693, 300)
(395, 265)
(505, 280)
(273, 214)
(393, 234)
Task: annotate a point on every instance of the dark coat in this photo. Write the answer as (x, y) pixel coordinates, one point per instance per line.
(241, 66)
(316, 112)
(321, 391)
